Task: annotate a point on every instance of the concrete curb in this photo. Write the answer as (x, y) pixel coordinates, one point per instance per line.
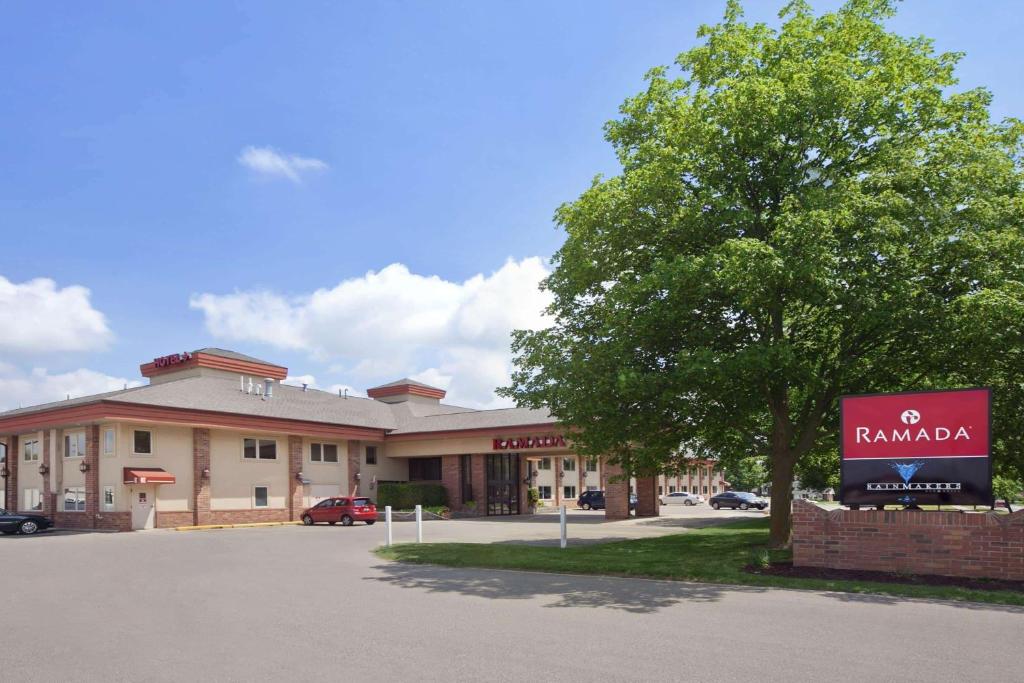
(208, 527)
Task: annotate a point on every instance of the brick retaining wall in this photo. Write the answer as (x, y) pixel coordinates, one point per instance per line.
(977, 545)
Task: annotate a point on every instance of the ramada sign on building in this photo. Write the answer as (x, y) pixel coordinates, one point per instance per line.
(916, 448)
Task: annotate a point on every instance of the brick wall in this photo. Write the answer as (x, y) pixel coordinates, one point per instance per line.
(117, 521)
(616, 493)
(169, 520)
(11, 482)
(978, 545)
(248, 516)
(296, 497)
(92, 475)
(48, 499)
(647, 497)
(200, 481)
(478, 468)
(353, 467)
(451, 480)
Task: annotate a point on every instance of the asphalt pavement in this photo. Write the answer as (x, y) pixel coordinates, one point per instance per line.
(296, 603)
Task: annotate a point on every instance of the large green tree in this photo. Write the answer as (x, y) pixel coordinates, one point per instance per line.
(803, 212)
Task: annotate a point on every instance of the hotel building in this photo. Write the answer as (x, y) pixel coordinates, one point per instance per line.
(215, 438)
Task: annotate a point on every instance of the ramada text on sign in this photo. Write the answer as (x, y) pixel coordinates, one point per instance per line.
(524, 442)
(172, 359)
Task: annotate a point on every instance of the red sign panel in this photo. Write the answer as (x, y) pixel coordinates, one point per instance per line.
(523, 442)
(933, 424)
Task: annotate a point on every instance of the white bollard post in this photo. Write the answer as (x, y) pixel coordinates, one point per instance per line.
(419, 524)
(561, 522)
(387, 525)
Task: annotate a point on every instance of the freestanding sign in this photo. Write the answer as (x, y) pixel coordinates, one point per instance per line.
(918, 448)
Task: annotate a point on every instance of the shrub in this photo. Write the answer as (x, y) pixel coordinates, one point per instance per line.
(407, 496)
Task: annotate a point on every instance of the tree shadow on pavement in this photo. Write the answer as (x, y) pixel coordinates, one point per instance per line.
(639, 596)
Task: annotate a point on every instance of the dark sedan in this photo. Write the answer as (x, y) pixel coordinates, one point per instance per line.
(594, 500)
(23, 522)
(738, 499)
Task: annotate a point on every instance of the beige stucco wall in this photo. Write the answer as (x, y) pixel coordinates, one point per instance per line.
(388, 468)
(28, 472)
(325, 479)
(232, 478)
(172, 451)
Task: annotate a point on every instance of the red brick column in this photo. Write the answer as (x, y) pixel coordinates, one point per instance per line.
(296, 490)
(581, 470)
(478, 467)
(11, 482)
(558, 479)
(48, 499)
(201, 476)
(92, 475)
(524, 486)
(451, 480)
(353, 467)
(647, 496)
(616, 493)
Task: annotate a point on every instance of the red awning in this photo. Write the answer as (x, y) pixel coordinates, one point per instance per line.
(147, 475)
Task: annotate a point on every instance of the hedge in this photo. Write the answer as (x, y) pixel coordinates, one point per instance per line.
(408, 496)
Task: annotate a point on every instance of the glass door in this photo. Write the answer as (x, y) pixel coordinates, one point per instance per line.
(503, 484)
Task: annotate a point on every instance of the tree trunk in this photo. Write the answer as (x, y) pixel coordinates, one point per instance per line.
(783, 462)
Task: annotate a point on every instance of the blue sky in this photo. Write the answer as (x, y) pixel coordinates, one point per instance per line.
(429, 143)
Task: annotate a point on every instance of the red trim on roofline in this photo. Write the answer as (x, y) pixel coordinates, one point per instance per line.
(400, 389)
(541, 429)
(208, 360)
(113, 410)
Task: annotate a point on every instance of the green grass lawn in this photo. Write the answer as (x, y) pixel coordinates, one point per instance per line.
(714, 555)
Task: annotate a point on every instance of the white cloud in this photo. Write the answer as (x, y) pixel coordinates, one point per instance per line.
(393, 323)
(270, 162)
(19, 388)
(42, 318)
(310, 381)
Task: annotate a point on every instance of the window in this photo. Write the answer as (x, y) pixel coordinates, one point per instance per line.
(259, 449)
(705, 489)
(694, 488)
(659, 490)
(569, 464)
(544, 464)
(74, 499)
(592, 488)
(74, 445)
(544, 492)
(371, 456)
(108, 498)
(31, 499)
(466, 477)
(109, 441)
(714, 489)
(323, 452)
(568, 492)
(31, 450)
(424, 469)
(671, 489)
(260, 496)
(142, 442)
(591, 464)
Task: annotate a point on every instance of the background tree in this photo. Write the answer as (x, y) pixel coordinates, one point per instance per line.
(747, 474)
(802, 212)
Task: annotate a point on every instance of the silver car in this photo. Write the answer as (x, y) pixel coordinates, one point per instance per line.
(681, 498)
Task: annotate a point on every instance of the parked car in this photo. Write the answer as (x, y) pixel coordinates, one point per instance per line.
(682, 498)
(344, 510)
(23, 522)
(738, 499)
(594, 500)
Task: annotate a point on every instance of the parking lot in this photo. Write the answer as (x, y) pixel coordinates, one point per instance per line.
(298, 603)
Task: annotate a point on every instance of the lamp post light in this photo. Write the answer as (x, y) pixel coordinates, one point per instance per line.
(83, 467)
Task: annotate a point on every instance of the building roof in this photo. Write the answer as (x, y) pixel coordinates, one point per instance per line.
(221, 393)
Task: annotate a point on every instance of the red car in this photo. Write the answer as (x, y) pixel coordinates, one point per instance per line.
(344, 510)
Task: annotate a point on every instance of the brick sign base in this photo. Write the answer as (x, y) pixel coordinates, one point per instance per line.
(977, 545)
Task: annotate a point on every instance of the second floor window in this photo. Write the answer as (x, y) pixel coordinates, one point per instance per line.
(74, 445)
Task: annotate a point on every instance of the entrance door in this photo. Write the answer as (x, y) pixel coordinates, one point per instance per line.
(503, 484)
(143, 513)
